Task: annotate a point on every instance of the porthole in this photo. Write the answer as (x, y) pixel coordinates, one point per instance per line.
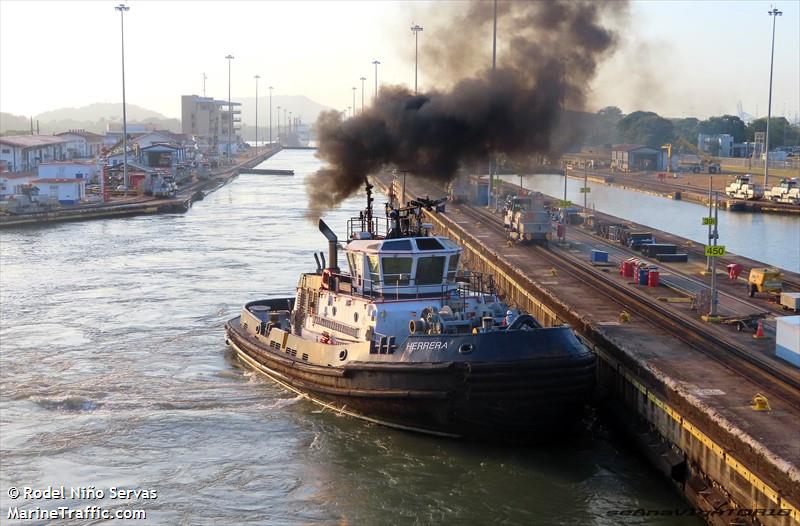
(343, 355)
(465, 348)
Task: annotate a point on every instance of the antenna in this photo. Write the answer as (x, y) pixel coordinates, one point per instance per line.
(369, 207)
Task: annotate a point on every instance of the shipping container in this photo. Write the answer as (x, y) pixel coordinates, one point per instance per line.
(787, 340)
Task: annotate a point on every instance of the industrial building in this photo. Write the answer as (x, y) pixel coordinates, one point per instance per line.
(85, 170)
(207, 119)
(65, 191)
(20, 153)
(82, 144)
(720, 145)
(634, 157)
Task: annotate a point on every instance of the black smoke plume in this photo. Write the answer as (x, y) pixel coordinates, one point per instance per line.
(548, 52)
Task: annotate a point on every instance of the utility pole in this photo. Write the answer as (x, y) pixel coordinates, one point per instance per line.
(714, 293)
(416, 29)
(230, 109)
(375, 63)
(710, 231)
(774, 13)
(270, 116)
(122, 8)
(204, 84)
(256, 77)
(494, 67)
(362, 93)
(585, 185)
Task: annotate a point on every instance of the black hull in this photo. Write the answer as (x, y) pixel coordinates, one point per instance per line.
(521, 400)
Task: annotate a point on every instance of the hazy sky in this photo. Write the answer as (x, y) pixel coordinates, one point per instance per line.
(676, 58)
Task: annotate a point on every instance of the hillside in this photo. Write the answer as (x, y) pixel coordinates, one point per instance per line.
(94, 117)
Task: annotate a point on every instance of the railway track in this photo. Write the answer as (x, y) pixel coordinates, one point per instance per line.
(694, 333)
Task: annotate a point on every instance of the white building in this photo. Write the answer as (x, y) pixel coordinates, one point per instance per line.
(82, 144)
(65, 191)
(207, 119)
(11, 183)
(88, 171)
(717, 145)
(24, 152)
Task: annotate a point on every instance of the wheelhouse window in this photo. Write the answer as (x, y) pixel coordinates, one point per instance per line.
(429, 243)
(430, 270)
(400, 244)
(452, 267)
(374, 270)
(396, 271)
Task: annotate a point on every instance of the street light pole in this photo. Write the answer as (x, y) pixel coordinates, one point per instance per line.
(774, 13)
(204, 84)
(257, 77)
(122, 8)
(270, 116)
(362, 93)
(494, 67)
(291, 124)
(230, 109)
(354, 101)
(375, 63)
(279, 124)
(416, 29)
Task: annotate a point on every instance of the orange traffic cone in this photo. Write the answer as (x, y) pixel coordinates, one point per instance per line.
(759, 335)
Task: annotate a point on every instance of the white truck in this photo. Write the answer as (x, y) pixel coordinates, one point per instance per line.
(787, 192)
(743, 188)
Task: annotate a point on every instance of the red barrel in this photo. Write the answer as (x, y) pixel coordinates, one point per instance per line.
(628, 268)
(652, 278)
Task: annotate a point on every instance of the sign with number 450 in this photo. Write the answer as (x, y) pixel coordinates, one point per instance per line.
(715, 251)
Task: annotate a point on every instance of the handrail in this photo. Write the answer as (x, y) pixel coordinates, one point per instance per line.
(464, 284)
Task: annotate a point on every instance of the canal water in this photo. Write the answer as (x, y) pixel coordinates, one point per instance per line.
(114, 372)
(773, 239)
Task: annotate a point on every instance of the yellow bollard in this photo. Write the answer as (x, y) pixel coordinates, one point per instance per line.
(624, 317)
(760, 403)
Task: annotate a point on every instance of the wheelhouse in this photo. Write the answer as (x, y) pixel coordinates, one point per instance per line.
(416, 266)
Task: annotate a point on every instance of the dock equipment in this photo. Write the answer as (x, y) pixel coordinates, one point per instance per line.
(672, 258)
(653, 249)
(769, 280)
(741, 323)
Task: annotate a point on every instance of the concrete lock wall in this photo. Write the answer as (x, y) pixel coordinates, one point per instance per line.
(705, 469)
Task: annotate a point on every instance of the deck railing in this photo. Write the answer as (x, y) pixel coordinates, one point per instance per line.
(462, 285)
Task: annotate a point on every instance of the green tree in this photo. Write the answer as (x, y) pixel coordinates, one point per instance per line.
(601, 127)
(611, 113)
(645, 127)
(686, 128)
(726, 124)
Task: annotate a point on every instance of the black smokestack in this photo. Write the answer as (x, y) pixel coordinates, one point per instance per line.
(548, 52)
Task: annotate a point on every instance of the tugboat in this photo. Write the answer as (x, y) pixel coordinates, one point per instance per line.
(407, 339)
